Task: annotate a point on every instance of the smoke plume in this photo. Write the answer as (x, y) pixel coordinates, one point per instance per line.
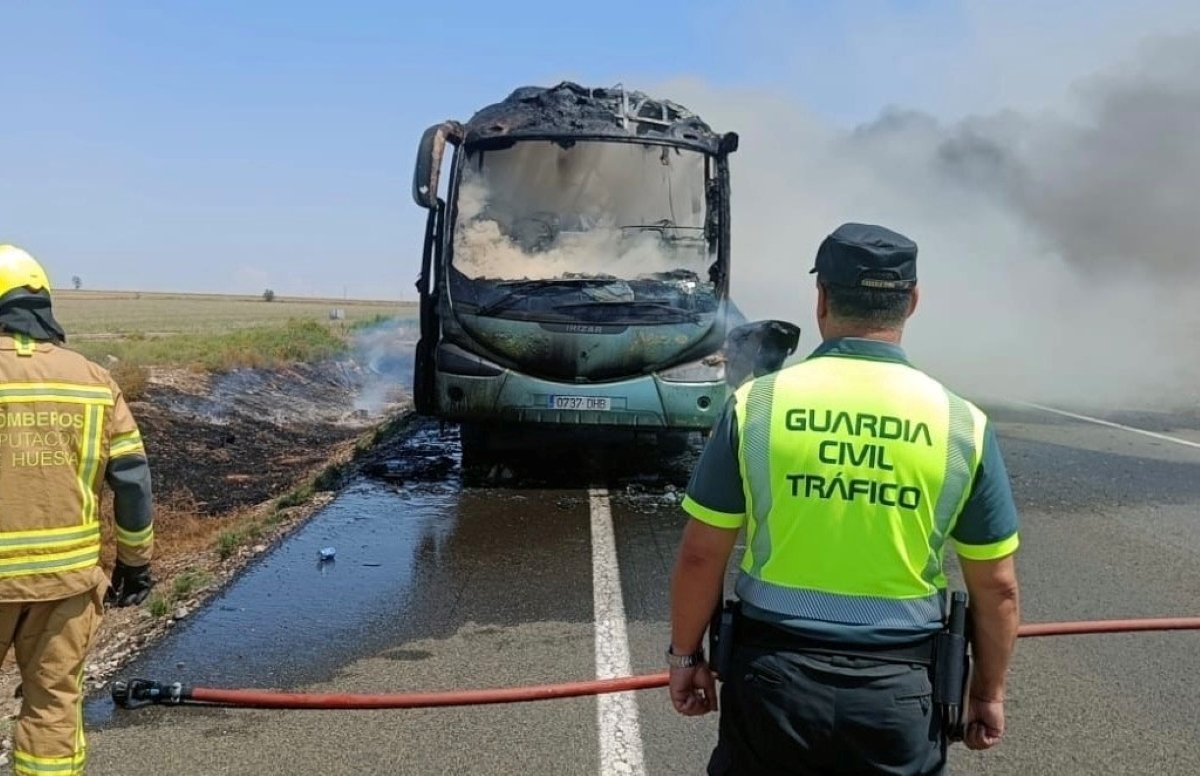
(1057, 256)
(385, 351)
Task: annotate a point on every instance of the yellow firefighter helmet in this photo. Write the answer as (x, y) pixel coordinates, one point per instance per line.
(20, 270)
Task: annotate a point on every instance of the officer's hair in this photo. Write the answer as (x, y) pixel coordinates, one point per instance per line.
(878, 308)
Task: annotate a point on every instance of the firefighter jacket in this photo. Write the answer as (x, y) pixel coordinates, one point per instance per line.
(65, 429)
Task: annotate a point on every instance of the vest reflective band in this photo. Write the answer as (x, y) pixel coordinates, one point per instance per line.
(66, 393)
(852, 490)
(135, 538)
(49, 551)
(61, 548)
(91, 441)
(25, 764)
(129, 443)
(24, 345)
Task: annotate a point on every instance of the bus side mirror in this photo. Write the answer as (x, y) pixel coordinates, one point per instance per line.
(758, 348)
(728, 144)
(429, 161)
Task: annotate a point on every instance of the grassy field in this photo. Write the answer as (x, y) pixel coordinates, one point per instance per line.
(106, 314)
(210, 332)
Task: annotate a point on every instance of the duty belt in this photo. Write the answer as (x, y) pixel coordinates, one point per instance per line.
(758, 633)
(946, 652)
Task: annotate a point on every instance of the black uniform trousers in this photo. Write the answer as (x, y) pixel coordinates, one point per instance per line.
(791, 712)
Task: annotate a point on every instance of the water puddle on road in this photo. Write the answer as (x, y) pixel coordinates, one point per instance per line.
(293, 618)
(403, 541)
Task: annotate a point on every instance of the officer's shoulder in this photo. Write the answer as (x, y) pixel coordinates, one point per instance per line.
(783, 373)
(81, 364)
(955, 396)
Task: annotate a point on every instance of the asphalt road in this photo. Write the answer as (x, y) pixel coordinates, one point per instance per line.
(437, 585)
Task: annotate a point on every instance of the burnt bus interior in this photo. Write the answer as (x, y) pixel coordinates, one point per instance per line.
(580, 211)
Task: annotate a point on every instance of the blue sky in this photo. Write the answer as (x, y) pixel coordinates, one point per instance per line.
(234, 146)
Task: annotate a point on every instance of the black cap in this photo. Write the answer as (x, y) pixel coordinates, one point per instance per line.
(867, 256)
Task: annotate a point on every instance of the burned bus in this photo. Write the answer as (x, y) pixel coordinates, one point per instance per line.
(576, 267)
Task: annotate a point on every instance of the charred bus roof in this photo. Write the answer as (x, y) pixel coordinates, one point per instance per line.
(573, 111)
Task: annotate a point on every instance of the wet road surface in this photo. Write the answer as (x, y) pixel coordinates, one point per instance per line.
(441, 585)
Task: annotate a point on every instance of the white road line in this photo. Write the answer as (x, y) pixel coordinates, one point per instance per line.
(617, 713)
(1109, 423)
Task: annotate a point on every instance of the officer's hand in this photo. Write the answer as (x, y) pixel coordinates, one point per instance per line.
(130, 585)
(693, 690)
(985, 723)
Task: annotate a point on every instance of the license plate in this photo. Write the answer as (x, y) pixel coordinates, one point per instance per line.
(593, 403)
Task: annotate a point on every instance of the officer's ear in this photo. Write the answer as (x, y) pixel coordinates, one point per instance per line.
(912, 301)
(822, 302)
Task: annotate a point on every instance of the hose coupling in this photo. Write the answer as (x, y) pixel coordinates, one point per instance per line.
(143, 692)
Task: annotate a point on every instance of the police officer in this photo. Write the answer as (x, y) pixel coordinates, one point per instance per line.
(65, 430)
(849, 471)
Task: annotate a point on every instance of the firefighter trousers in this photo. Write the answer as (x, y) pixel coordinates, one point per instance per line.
(51, 641)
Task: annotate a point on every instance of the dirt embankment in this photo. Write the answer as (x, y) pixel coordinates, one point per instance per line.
(233, 459)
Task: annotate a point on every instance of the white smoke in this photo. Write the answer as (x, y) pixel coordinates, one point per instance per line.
(385, 353)
(1056, 253)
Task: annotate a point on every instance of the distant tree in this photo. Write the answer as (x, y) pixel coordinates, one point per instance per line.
(77, 282)
(268, 295)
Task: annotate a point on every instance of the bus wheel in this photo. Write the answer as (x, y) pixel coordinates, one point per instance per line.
(477, 448)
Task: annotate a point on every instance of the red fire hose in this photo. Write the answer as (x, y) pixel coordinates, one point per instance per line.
(139, 692)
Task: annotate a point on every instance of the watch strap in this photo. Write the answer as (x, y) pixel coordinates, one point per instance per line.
(684, 661)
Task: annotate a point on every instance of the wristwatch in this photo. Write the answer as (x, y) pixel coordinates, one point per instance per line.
(684, 661)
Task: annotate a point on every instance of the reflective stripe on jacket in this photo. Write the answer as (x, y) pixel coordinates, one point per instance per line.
(64, 429)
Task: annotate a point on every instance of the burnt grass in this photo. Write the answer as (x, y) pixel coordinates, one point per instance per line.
(252, 436)
(220, 468)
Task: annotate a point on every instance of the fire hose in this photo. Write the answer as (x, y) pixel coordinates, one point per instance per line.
(141, 692)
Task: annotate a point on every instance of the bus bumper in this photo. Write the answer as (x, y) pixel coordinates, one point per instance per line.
(646, 402)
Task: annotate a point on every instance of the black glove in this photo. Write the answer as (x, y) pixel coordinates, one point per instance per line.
(130, 585)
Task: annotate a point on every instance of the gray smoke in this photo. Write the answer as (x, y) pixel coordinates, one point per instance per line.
(385, 352)
(1114, 192)
(1057, 258)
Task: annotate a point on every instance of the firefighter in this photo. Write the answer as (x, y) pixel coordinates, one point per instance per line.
(64, 430)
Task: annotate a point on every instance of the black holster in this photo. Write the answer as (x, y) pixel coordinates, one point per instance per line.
(721, 635)
(952, 668)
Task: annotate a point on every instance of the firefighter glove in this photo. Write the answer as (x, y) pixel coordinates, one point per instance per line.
(130, 585)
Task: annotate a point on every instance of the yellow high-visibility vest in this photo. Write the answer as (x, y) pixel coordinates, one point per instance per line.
(852, 490)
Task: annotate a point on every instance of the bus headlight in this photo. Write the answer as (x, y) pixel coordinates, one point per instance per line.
(710, 369)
